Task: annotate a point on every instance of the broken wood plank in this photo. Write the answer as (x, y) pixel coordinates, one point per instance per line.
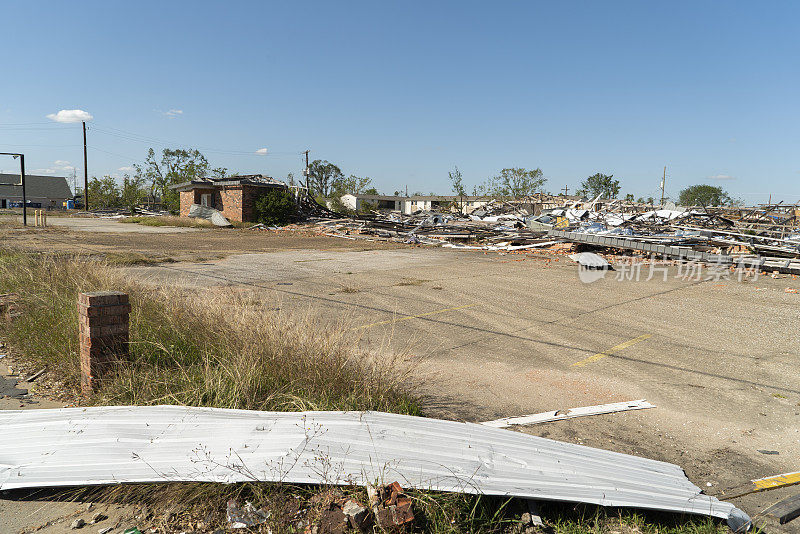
(785, 510)
(558, 415)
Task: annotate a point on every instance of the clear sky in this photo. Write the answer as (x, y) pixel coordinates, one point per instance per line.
(403, 91)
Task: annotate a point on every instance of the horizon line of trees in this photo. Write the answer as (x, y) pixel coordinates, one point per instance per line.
(155, 177)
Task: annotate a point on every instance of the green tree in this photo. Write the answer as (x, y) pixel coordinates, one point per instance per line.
(456, 182)
(174, 167)
(629, 197)
(600, 184)
(322, 175)
(514, 182)
(703, 195)
(276, 207)
(373, 191)
(352, 185)
(104, 193)
(132, 193)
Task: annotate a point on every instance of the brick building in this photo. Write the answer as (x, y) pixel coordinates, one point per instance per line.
(234, 196)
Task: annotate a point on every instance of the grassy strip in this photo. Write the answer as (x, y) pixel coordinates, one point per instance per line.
(224, 350)
(185, 222)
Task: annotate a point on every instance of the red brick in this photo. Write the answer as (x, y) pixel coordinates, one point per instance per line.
(102, 298)
(121, 309)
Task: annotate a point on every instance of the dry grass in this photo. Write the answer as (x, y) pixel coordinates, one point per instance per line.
(411, 282)
(222, 351)
(169, 220)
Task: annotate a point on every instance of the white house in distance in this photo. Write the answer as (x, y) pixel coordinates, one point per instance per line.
(409, 205)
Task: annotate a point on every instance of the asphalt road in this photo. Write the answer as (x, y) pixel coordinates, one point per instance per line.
(494, 336)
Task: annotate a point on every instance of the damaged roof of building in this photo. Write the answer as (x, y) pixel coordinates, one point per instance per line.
(258, 180)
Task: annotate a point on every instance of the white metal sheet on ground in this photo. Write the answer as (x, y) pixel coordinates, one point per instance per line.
(558, 415)
(108, 445)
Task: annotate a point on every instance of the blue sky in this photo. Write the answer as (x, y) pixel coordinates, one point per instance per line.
(403, 91)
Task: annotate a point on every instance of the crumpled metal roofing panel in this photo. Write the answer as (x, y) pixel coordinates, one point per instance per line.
(108, 445)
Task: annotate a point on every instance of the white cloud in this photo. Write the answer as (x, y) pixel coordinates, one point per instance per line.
(722, 177)
(125, 169)
(44, 171)
(261, 151)
(63, 165)
(70, 115)
(174, 113)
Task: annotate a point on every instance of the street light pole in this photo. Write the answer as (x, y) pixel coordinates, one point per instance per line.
(21, 157)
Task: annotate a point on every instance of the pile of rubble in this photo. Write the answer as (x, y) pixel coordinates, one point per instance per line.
(766, 236)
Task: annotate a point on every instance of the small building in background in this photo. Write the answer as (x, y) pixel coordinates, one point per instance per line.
(234, 196)
(41, 192)
(409, 205)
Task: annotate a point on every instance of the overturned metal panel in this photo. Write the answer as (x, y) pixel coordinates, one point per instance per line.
(559, 415)
(210, 214)
(590, 260)
(109, 445)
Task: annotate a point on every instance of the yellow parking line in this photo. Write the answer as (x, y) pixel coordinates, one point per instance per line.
(777, 481)
(612, 350)
(407, 317)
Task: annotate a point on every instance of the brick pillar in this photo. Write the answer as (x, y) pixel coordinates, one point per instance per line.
(103, 321)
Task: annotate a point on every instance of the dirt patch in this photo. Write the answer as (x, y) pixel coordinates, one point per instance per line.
(200, 245)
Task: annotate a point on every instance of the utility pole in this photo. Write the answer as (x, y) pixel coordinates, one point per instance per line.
(24, 195)
(663, 183)
(566, 190)
(85, 172)
(307, 172)
(21, 157)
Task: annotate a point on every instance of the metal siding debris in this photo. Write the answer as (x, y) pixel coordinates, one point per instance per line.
(110, 445)
(590, 260)
(558, 415)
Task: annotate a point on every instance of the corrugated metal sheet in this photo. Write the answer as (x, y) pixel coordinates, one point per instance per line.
(108, 445)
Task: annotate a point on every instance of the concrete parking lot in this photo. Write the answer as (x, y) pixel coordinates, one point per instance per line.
(489, 335)
(495, 336)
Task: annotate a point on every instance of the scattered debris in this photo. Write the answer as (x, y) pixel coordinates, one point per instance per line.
(246, 516)
(357, 515)
(36, 375)
(209, 214)
(558, 415)
(78, 523)
(762, 451)
(8, 388)
(590, 260)
(174, 443)
(391, 506)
